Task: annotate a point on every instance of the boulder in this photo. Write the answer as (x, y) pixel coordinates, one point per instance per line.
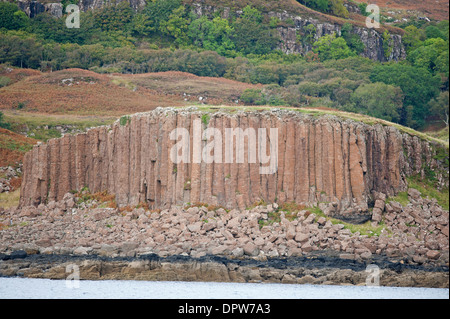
(301, 237)
(251, 249)
(433, 254)
(414, 193)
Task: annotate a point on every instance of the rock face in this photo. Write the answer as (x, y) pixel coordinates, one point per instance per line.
(318, 159)
(295, 29)
(33, 8)
(86, 5)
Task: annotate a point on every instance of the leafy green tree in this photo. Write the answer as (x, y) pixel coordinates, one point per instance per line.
(320, 5)
(441, 65)
(363, 7)
(158, 11)
(114, 17)
(20, 49)
(433, 32)
(387, 44)
(251, 35)
(307, 34)
(142, 25)
(176, 26)
(418, 86)
(329, 47)
(12, 18)
(4, 124)
(443, 26)
(413, 37)
(353, 40)
(337, 8)
(439, 107)
(379, 100)
(252, 97)
(214, 35)
(426, 56)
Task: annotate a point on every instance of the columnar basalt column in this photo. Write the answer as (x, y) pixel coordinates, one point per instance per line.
(318, 159)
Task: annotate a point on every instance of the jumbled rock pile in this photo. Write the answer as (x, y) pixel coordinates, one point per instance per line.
(7, 173)
(415, 234)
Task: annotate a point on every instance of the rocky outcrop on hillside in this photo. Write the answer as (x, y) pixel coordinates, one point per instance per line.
(294, 29)
(33, 8)
(319, 159)
(86, 5)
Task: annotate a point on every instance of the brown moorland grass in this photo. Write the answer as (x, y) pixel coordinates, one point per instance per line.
(13, 147)
(435, 9)
(83, 92)
(191, 87)
(16, 74)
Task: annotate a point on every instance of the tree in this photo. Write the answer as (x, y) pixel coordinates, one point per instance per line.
(306, 37)
(114, 17)
(214, 35)
(337, 8)
(439, 107)
(353, 40)
(176, 26)
(142, 25)
(418, 86)
(433, 32)
(329, 47)
(387, 44)
(251, 35)
(413, 37)
(320, 5)
(20, 49)
(4, 124)
(158, 11)
(12, 18)
(426, 56)
(379, 100)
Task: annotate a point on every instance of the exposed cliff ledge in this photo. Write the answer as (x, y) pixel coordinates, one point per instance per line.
(320, 159)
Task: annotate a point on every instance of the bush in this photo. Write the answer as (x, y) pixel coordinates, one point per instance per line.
(252, 96)
(11, 17)
(4, 81)
(3, 124)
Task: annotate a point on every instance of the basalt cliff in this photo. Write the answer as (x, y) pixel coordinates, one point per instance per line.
(308, 159)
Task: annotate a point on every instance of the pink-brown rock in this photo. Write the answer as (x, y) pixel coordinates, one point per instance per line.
(320, 159)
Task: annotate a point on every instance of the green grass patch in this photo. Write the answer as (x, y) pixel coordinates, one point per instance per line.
(428, 189)
(44, 126)
(363, 229)
(124, 120)
(401, 198)
(205, 118)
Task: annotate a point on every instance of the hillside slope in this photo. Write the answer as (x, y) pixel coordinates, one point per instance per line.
(83, 92)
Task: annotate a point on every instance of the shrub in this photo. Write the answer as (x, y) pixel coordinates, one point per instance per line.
(4, 81)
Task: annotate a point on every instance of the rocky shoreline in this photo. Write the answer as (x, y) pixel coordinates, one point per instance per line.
(318, 268)
(409, 244)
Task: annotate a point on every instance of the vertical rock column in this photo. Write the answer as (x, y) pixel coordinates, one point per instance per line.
(322, 159)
